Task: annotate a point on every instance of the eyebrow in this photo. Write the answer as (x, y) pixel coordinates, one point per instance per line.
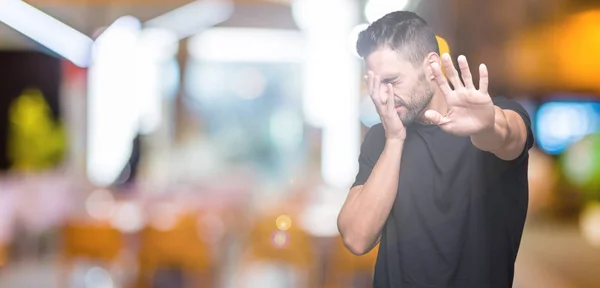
(390, 79)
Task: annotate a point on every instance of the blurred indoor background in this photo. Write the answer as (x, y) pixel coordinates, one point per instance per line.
(211, 143)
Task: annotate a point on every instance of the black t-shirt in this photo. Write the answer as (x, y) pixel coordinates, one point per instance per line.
(459, 212)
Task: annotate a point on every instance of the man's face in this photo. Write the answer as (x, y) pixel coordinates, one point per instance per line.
(412, 90)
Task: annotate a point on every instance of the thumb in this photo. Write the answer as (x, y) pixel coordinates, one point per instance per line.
(435, 117)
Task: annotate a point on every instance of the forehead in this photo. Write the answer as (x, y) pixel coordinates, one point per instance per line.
(388, 63)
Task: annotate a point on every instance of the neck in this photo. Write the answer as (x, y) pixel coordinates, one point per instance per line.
(437, 103)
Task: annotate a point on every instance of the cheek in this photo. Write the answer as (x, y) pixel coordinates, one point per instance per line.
(405, 92)
(428, 87)
(400, 90)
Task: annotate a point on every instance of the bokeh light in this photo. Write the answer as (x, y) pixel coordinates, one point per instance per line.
(164, 216)
(581, 165)
(283, 222)
(98, 277)
(251, 83)
(590, 223)
(100, 204)
(128, 217)
(559, 124)
(280, 239)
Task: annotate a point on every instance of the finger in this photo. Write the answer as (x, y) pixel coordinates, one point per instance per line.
(440, 79)
(435, 117)
(483, 79)
(451, 71)
(465, 71)
(391, 105)
(380, 96)
(375, 92)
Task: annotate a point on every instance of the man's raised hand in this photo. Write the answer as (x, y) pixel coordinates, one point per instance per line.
(470, 110)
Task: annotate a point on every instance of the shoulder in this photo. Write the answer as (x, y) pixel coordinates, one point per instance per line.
(376, 132)
(374, 141)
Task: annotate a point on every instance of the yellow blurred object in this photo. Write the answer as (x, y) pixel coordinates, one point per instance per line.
(344, 265)
(443, 44)
(2, 255)
(97, 241)
(283, 222)
(292, 248)
(561, 55)
(529, 59)
(444, 48)
(35, 142)
(577, 51)
(180, 245)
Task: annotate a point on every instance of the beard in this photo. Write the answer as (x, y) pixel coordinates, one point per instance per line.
(420, 96)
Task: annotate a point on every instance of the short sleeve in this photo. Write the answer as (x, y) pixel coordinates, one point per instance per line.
(508, 104)
(370, 150)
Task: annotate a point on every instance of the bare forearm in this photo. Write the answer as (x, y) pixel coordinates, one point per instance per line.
(364, 214)
(506, 139)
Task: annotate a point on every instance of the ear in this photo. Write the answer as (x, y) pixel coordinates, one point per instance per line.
(432, 57)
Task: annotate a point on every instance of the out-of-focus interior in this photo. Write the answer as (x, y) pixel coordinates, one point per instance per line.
(211, 143)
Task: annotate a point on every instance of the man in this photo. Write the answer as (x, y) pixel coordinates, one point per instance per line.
(442, 181)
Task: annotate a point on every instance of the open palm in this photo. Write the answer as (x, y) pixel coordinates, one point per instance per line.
(470, 110)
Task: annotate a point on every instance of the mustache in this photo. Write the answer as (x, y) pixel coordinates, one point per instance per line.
(399, 102)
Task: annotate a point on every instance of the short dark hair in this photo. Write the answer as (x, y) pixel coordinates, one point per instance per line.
(402, 31)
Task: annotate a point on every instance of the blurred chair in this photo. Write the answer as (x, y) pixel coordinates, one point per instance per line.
(292, 248)
(180, 246)
(345, 268)
(95, 241)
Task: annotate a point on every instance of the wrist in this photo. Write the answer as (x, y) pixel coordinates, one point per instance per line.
(394, 142)
(491, 131)
(395, 138)
(393, 149)
(494, 136)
